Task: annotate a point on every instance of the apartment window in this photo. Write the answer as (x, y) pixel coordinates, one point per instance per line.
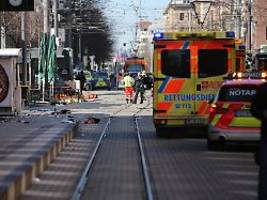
(181, 16)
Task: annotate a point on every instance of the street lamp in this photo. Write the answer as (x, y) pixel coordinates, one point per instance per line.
(201, 9)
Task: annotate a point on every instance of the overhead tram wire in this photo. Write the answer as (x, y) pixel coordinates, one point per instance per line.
(127, 29)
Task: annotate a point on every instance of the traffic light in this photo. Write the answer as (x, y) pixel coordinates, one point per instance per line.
(16, 5)
(249, 61)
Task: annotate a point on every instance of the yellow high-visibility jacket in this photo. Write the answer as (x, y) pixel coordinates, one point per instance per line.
(128, 81)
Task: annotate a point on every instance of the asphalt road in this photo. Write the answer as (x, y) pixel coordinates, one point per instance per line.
(183, 168)
(180, 167)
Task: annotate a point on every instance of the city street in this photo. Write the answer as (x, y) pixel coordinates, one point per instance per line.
(179, 167)
(133, 100)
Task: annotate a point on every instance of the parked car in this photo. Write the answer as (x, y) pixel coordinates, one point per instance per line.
(99, 80)
(230, 119)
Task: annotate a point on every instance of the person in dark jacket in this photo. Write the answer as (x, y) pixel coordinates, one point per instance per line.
(82, 79)
(139, 88)
(259, 110)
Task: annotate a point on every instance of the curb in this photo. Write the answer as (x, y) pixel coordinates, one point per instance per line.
(16, 182)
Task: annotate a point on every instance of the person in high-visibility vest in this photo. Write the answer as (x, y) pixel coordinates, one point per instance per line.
(128, 87)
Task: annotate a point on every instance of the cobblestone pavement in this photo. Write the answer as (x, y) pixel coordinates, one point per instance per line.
(25, 143)
(59, 180)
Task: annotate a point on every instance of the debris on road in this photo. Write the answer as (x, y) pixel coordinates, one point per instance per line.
(23, 121)
(92, 120)
(68, 121)
(65, 111)
(88, 96)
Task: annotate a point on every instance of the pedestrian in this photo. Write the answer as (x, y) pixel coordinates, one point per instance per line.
(81, 78)
(139, 87)
(128, 87)
(259, 110)
(111, 80)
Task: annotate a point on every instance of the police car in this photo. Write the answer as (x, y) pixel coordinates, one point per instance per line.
(230, 119)
(98, 80)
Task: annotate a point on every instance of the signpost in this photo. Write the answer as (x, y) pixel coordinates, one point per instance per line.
(16, 5)
(201, 9)
(4, 84)
(19, 6)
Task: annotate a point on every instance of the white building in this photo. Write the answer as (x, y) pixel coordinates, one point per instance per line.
(178, 16)
(191, 15)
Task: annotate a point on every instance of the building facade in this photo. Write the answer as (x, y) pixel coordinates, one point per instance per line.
(259, 23)
(190, 15)
(178, 16)
(143, 49)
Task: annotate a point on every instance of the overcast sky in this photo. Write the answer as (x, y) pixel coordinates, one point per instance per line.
(123, 16)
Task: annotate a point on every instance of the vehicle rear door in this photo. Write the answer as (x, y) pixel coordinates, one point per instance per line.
(173, 82)
(215, 58)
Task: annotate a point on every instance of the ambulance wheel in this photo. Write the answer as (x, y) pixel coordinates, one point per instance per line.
(205, 130)
(212, 145)
(159, 132)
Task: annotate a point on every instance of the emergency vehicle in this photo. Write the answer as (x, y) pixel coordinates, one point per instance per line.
(230, 119)
(132, 65)
(99, 80)
(135, 65)
(188, 71)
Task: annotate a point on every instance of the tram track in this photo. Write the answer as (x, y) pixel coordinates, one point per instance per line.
(82, 182)
(177, 169)
(81, 186)
(145, 171)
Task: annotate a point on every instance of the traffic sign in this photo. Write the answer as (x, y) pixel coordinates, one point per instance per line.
(17, 5)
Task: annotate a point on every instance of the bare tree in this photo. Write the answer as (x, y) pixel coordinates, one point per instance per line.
(10, 23)
(89, 24)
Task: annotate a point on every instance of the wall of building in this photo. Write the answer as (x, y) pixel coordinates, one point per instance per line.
(259, 23)
(218, 17)
(179, 17)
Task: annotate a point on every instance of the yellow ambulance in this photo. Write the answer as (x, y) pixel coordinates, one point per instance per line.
(189, 69)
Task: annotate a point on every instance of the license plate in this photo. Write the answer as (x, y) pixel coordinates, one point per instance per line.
(243, 113)
(195, 121)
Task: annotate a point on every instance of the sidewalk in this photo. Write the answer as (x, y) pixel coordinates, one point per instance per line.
(28, 144)
(33, 140)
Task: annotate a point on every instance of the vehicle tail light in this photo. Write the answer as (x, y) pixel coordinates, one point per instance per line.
(212, 108)
(160, 121)
(216, 109)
